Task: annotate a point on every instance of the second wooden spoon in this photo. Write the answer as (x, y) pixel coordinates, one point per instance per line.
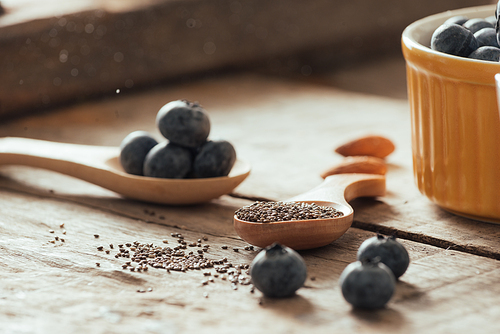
(335, 191)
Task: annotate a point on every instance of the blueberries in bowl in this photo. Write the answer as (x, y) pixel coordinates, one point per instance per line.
(215, 158)
(168, 160)
(367, 284)
(133, 150)
(453, 39)
(183, 123)
(278, 271)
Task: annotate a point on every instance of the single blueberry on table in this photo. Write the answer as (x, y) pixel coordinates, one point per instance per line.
(214, 158)
(486, 37)
(474, 25)
(454, 40)
(278, 271)
(168, 160)
(390, 252)
(133, 150)
(488, 53)
(367, 284)
(459, 19)
(183, 123)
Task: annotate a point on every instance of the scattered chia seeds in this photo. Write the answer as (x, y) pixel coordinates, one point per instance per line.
(142, 256)
(269, 212)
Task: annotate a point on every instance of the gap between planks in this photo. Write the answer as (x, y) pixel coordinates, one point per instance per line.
(425, 239)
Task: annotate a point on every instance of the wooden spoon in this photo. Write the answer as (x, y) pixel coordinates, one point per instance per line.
(335, 191)
(100, 165)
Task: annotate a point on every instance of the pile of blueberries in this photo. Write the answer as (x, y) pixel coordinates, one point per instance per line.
(370, 282)
(475, 38)
(187, 152)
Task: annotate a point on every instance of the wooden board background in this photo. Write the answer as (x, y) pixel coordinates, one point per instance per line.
(54, 52)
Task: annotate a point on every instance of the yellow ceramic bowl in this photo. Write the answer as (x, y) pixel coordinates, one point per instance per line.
(455, 122)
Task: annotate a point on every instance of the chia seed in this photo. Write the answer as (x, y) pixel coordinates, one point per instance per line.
(269, 212)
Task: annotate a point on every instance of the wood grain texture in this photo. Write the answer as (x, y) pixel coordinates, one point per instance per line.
(55, 53)
(58, 287)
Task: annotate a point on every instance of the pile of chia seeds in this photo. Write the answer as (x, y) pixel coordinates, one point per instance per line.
(268, 212)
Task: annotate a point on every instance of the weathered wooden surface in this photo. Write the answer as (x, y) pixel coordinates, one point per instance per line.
(287, 131)
(58, 287)
(55, 52)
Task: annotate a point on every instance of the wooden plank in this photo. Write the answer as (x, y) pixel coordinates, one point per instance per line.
(55, 53)
(58, 287)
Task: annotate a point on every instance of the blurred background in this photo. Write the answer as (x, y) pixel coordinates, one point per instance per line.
(56, 52)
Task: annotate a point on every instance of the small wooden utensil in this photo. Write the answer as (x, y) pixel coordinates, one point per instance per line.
(335, 191)
(100, 165)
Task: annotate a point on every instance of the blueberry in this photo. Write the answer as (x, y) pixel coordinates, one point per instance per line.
(486, 37)
(497, 24)
(183, 123)
(459, 19)
(367, 284)
(168, 160)
(215, 158)
(488, 53)
(474, 25)
(133, 150)
(453, 39)
(278, 271)
(389, 250)
(492, 20)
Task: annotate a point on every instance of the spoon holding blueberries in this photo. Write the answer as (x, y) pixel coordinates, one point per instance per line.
(178, 170)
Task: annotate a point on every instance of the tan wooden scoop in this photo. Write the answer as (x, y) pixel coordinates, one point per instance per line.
(335, 191)
(100, 165)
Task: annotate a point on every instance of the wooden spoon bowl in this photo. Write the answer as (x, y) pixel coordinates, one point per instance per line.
(100, 165)
(336, 191)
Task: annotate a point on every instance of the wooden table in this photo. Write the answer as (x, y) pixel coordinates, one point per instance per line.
(287, 130)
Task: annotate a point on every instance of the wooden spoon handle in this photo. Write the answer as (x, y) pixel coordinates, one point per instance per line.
(342, 188)
(82, 161)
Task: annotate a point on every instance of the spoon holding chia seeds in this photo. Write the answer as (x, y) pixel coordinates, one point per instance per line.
(100, 165)
(310, 220)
